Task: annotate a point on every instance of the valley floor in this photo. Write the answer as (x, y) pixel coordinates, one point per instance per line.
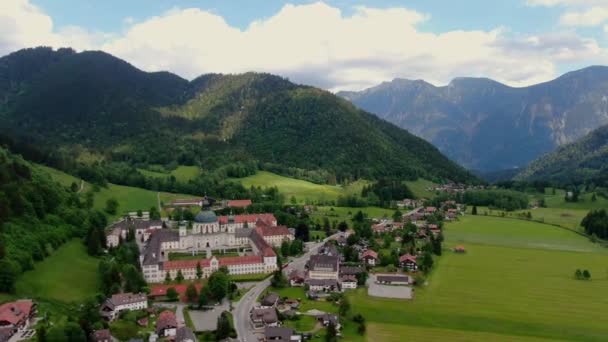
(516, 282)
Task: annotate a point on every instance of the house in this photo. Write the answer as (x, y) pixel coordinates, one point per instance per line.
(370, 257)
(296, 278)
(351, 270)
(264, 317)
(281, 334)
(185, 334)
(329, 249)
(270, 300)
(166, 325)
(430, 210)
(348, 282)
(322, 285)
(459, 249)
(15, 317)
(327, 319)
(408, 262)
(393, 279)
(323, 267)
(102, 335)
(123, 301)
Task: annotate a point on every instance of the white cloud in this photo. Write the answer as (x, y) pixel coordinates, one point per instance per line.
(316, 44)
(593, 16)
(552, 3)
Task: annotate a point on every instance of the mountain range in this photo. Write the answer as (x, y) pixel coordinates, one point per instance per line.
(488, 126)
(97, 109)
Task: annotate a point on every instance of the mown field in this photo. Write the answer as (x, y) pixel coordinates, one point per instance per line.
(419, 186)
(68, 275)
(516, 282)
(181, 173)
(346, 213)
(303, 191)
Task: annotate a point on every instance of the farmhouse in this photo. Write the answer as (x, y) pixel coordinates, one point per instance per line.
(408, 262)
(208, 233)
(264, 317)
(15, 317)
(281, 334)
(121, 302)
(370, 257)
(166, 325)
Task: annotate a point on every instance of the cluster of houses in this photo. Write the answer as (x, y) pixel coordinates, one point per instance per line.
(15, 319)
(454, 188)
(167, 325)
(448, 210)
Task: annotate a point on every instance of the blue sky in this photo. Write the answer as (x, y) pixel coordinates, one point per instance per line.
(518, 42)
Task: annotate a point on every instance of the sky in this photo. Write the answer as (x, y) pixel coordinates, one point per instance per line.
(332, 44)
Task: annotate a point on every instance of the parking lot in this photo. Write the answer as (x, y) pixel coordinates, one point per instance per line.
(388, 291)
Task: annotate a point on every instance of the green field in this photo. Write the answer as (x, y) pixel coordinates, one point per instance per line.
(514, 283)
(68, 275)
(346, 213)
(303, 191)
(304, 324)
(568, 218)
(584, 203)
(419, 186)
(181, 173)
(129, 198)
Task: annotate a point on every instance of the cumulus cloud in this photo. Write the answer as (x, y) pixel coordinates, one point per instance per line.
(593, 16)
(317, 44)
(552, 3)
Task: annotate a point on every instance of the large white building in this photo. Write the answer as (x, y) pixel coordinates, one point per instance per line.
(209, 232)
(121, 302)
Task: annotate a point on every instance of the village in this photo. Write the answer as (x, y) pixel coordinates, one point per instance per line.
(180, 260)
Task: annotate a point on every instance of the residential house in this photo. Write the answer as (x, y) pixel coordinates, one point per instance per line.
(322, 285)
(185, 334)
(166, 325)
(270, 300)
(264, 317)
(16, 316)
(370, 257)
(408, 262)
(327, 319)
(121, 302)
(296, 278)
(281, 334)
(102, 335)
(348, 282)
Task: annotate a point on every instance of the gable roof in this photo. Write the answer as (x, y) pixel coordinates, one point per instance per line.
(323, 262)
(369, 254)
(166, 319)
(15, 312)
(407, 257)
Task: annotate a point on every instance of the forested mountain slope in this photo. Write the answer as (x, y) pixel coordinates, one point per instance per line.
(92, 108)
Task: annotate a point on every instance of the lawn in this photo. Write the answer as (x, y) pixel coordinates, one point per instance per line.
(317, 235)
(303, 191)
(305, 304)
(304, 324)
(419, 186)
(181, 173)
(68, 275)
(346, 213)
(514, 283)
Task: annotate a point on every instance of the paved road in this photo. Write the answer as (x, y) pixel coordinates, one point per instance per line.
(244, 306)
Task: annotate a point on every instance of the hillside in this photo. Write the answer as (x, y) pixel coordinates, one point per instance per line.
(92, 108)
(488, 126)
(575, 162)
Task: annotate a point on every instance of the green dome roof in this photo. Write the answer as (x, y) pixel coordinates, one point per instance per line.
(205, 216)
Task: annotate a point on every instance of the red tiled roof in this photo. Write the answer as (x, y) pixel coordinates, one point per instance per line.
(264, 229)
(430, 209)
(370, 253)
(183, 264)
(241, 260)
(166, 319)
(15, 312)
(251, 218)
(379, 226)
(433, 226)
(239, 203)
(406, 257)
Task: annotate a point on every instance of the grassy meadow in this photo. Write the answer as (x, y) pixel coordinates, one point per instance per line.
(346, 213)
(419, 186)
(303, 191)
(68, 275)
(515, 282)
(181, 173)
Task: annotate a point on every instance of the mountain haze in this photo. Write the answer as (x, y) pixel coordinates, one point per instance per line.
(486, 125)
(94, 107)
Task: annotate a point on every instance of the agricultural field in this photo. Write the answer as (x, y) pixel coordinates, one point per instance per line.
(419, 186)
(303, 191)
(568, 218)
(182, 173)
(584, 203)
(48, 281)
(346, 214)
(515, 282)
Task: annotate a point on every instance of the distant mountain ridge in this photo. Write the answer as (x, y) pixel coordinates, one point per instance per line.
(582, 160)
(96, 108)
(488, 126)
